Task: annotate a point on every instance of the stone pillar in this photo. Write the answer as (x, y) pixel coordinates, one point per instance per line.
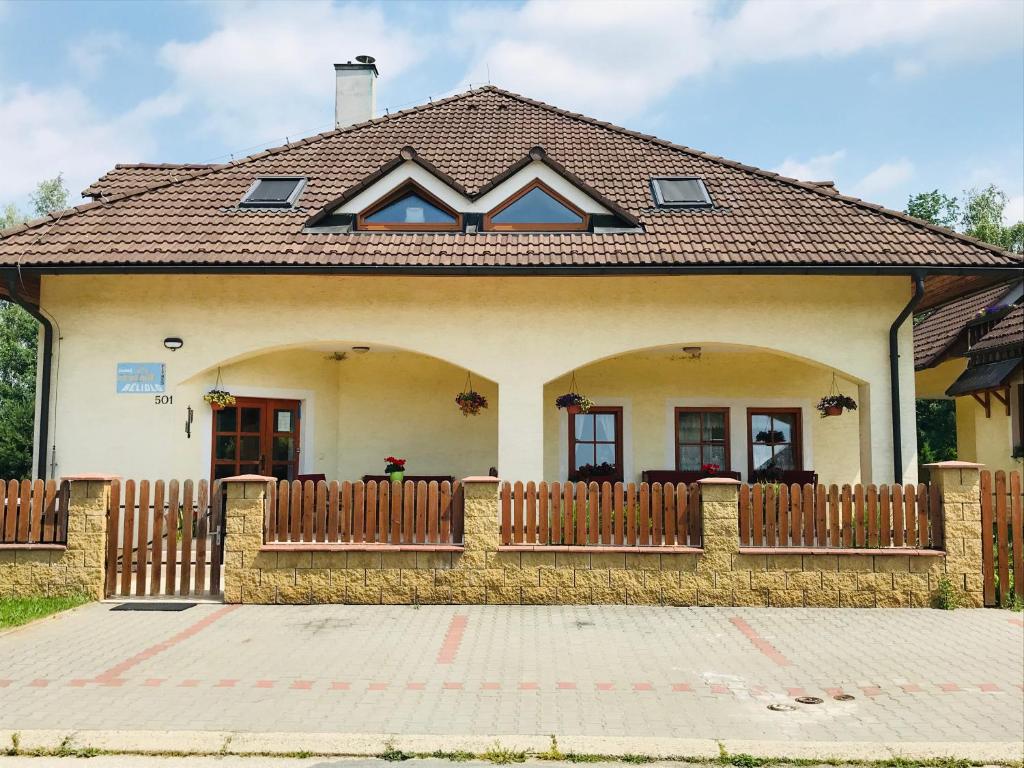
(246, 499)
(960, 484)
(716, 581)
(521, 430)
(470, 580)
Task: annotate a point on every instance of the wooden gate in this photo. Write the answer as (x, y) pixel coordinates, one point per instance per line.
(1002, 538)
(164, 539)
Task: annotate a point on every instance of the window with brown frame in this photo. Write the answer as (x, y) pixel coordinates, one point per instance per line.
(595, 438)
(702, 437)
(409, 208)
(536, 208)
(774, 440)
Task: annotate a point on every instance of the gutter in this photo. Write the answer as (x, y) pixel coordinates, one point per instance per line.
(894, 375)
(44, 389)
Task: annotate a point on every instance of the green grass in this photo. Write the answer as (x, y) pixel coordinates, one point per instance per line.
(15, 611)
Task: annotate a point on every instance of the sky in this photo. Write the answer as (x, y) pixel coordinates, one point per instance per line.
(885, 97)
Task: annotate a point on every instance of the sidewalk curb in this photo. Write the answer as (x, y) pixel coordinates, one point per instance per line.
(371, 745)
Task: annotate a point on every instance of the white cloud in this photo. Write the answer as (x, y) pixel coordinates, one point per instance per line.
(908, 69)
(266, 70)
(90, 54)
(44, 132)
(616, 59)
(883, 180)
(1014, 210)
(818, 168)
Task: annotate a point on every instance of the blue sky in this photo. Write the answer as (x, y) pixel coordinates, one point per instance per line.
(886, 98)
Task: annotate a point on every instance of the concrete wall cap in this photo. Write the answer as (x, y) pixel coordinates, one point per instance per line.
(719, 481)
(91, 476)
(954, 465)
(480, 479)
(249, 479)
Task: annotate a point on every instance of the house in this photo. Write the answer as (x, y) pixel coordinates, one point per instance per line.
(348, 286)
(971, 349)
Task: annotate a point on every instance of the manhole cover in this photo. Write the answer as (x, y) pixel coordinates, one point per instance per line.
(843, 697)
(810, 700)
(781, 707)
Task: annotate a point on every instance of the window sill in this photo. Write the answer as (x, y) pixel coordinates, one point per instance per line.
(887, 551)
(301, 546)
(595, 549)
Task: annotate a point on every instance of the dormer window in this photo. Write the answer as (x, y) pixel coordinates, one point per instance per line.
(536, 208)
(273, 192)
(680, 192)
(410, 208)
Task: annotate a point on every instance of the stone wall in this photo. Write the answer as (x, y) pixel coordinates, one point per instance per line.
(77, 568)
(482, 571)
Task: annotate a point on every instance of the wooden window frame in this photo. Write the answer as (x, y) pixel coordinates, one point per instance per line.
(727, 466)
(397, 193)
(266, 433)
(490, 226)
(797, 443)
(615, 410)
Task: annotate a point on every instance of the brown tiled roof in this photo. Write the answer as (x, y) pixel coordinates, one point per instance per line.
(1009, 330)
(128, 177)
(937, 333)
(759, 218)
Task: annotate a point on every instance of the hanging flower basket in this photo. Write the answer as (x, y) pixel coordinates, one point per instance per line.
(471, 402)
(574, 402)
(219, 399)
(834, 405)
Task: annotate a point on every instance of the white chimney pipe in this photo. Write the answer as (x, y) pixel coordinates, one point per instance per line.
(355, 91)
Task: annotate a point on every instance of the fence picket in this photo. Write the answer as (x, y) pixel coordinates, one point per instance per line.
(333, 499)
(757, 512)
(1017, 524)
(142, 550)
(897, 515)
(202, 532)
(644, 512)
(860, 527)
(606, 513)
(433, 508)
(171, 526)
(1002, 537)
(782, 515)
(156, 555)
(632, 511)
(127, 538)
(187, 523)
(113, 524)
(531, 513)
(910, 513)
(556, 513)
(543, 501)
(795, 514)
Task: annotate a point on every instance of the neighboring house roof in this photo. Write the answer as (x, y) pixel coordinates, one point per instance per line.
(988, 376)
(1007, 332)
(129, 177)
(759, 219)
(939, 332)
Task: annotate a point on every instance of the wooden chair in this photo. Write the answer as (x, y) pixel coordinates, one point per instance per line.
(316, 478)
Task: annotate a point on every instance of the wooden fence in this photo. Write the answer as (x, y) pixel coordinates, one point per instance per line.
(364, 513)
(581, 514)
(1002, 537)
(164, 538)
(848, 517)
(34, 512)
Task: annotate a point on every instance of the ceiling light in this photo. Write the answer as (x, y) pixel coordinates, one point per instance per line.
(360, 350)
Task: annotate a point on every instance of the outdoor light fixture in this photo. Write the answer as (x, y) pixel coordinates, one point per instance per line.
(173, 343)
(692, 352)
(360, 350)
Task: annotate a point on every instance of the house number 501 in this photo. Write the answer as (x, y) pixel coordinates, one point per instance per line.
(163, 399)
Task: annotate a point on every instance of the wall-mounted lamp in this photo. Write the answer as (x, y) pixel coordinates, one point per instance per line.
(360, 350)
(692, 352)
(173, 343)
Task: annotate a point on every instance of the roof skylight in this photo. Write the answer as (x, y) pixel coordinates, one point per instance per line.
(680, 192)
(273, 192)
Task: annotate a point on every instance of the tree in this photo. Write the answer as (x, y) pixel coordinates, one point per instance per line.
(936, 430)
(979, 213)
(19, 333)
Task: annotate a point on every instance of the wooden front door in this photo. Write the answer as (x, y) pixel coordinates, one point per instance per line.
(257, 436)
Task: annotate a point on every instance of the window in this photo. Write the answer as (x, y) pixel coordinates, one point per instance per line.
(702, 437)
(273, 192)
(680, 192)
(536, 208)
(410, 208)
(774, 438)
(595, 440)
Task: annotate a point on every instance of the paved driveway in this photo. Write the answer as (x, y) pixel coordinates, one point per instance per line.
(915, 675)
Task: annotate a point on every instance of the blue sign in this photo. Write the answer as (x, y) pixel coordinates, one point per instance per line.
(140, 378)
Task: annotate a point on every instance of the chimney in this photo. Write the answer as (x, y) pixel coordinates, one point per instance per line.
(355, 91)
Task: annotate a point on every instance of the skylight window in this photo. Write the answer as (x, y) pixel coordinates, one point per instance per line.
(273, 192)
(410, 208)
(680, 192)
(536, 207)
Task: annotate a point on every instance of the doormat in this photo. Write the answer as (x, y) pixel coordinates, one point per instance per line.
(147, 606)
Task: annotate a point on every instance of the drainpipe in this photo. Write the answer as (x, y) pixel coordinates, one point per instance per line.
(44, 390)
(894, 375)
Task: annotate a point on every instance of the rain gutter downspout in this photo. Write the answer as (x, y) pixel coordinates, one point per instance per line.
(44, 389)
(894, 375)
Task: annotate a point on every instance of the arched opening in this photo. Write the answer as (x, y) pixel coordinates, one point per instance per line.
(338, 409)
(750, 412)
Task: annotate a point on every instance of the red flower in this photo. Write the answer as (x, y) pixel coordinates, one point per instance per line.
(710, 468)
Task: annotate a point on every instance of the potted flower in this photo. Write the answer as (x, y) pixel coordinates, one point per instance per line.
(470, 402)
(395, 469)
(219, 399)
(770, 436)
(596, 472)
(834, 405)
(709, 470)
(574, 402)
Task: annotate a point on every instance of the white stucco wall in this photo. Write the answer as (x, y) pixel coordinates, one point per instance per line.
(518, 333)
